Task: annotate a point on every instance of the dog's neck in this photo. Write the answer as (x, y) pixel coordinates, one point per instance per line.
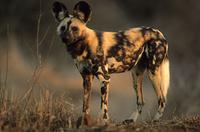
(77, 47)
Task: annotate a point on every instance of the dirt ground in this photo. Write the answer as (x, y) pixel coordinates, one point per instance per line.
(191, 123)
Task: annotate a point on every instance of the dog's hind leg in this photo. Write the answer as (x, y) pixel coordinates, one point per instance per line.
(160, 81)
(137, 75)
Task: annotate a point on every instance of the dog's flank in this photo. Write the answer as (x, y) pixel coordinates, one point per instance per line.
(100, 54)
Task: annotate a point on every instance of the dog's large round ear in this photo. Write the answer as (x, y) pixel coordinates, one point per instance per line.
(82, 11)
(59, 11)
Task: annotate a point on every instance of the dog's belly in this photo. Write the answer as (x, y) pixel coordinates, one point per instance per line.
(115, 66)
(119, 64)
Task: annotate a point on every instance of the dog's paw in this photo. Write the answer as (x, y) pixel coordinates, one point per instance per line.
(84, 121)
(127, 121)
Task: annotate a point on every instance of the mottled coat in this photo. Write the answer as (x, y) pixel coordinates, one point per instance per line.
(100, 54)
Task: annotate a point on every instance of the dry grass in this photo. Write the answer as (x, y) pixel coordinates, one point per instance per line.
(44, 113)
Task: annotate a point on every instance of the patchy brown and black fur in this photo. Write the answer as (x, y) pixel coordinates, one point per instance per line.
(100, 54)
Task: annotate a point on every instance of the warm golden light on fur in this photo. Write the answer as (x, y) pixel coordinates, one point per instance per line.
(99, 54)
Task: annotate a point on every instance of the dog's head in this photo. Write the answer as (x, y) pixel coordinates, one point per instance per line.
(71, 26)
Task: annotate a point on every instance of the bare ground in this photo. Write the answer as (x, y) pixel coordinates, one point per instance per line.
(190, 123)
(176, 124)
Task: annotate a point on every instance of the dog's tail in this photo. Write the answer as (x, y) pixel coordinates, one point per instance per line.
(165, 76)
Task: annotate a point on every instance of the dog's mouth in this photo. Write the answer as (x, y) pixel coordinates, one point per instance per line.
(69, 42)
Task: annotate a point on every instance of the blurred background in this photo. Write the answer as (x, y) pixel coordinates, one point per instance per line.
(32, 55)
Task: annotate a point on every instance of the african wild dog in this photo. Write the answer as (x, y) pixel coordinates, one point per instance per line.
(100, 54)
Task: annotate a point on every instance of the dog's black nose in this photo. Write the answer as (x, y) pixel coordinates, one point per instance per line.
(64, 40)
(62, 28)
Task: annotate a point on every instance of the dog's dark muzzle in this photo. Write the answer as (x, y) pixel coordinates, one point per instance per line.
(65, 38)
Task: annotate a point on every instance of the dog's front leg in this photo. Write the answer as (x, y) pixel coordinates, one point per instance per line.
(104, 100)
(104, 79)
(87, 82)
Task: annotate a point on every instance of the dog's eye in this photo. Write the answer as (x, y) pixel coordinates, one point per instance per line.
(74, 29)
(62, 28)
